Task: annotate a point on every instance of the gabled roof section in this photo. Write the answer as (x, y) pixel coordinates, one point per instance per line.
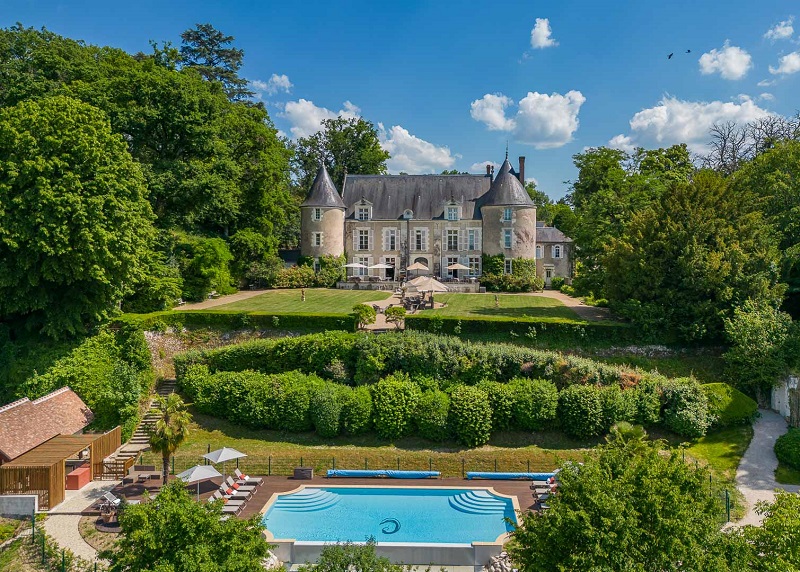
(506, 190)
(550, 234)
(425, 195)
(25, 424)
(323, 192)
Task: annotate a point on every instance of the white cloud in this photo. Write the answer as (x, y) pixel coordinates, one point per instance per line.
(766, 83)
(789, 64)
(541, 120)
(675, 121)
(541, 34)
(481, 167)
(622, 142)
(272, 86)
(411, 154)
(490, 109)
(731, 62)
(306, 118)
(767, 97)
(781, 31)
(742, 97)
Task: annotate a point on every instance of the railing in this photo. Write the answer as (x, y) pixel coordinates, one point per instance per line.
(112, 469)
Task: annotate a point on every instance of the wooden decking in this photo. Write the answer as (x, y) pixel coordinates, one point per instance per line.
(273, 485)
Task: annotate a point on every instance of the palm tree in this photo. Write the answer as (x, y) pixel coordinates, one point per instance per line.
(171, 429)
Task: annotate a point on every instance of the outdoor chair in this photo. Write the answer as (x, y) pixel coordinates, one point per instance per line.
(112, 499)
(219, 496)
(243, 479)
(234, 494)
(232, 509)
(231, 484)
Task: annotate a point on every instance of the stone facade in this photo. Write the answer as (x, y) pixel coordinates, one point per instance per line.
(438, 220)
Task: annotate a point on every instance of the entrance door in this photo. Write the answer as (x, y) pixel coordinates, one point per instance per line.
(390, 271)
(548, 275)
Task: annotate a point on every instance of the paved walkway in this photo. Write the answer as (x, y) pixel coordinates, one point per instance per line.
(755, 476)
(222, 300)
(62, 521)
(589, 313)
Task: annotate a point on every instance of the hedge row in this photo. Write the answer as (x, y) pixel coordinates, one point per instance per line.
(728, 405)
(433, 407)
(553, 329)
(787, 448)
(223, 320)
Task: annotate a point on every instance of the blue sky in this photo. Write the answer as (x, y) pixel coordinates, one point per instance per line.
(450, 82)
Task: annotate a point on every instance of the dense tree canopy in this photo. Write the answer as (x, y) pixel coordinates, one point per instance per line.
(345, 146)
(75, 224)
(629, 508)
(174, 533)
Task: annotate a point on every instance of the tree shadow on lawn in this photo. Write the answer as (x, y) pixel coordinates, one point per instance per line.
(556, 312)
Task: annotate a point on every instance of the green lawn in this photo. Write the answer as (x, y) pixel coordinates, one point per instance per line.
(318, 301)
(510, 306)
(787, 475)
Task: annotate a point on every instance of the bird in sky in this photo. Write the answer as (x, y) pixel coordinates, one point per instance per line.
(669, 57)
(688, 51)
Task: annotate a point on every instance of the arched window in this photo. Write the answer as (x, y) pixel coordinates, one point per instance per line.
(557, 251)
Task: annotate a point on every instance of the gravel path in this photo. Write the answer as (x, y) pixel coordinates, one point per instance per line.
(222, 300)
(756, 473)
(588, 313)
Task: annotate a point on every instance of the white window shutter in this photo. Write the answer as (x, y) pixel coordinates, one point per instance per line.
(385, 243)
(355, 240)
(370, 242)
(425, 239)
(552, 252)
(462, 239)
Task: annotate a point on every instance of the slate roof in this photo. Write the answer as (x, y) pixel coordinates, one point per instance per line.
(506, 190)
(550, 234)
(25, 424)
(425, 195)
(323, 192)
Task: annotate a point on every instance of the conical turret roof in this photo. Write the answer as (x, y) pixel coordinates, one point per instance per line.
(506, 190)
(323, 193)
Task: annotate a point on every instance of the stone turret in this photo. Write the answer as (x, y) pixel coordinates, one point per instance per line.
(509, 217)
(322, 218)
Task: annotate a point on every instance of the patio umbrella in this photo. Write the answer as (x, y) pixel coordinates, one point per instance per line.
(457, 266)
(381, 266)
(428, 284)
(355, 265)
(417, 266)
(199, 473)
(222, 455)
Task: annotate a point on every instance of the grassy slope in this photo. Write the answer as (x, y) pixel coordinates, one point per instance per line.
(787, 475)
(318, 301)
(510, 306)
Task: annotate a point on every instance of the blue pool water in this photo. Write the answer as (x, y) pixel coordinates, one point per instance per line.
(333, 514)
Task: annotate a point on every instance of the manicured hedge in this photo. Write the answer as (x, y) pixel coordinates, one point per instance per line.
(554, 330)
(224, 320)
(729, 406)
(470, 415)
(525, 388)
(787, 448)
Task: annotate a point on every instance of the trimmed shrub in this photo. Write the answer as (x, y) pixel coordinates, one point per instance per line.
(787, 448)
(394, 401)
(326, 410)
(580, 410)
(729, 406)
(502, 400)
(470, 415)
(617, 406)
(431, 416)
(295, 277)
(556, 282)
(647, 399)
(535, 403)
(685, 408)
(357, 411)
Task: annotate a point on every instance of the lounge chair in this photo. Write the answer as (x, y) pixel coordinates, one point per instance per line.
(231, 484)
(231, 509)
(243, 479)
(235, 495)
(218, 496)
(112, 499)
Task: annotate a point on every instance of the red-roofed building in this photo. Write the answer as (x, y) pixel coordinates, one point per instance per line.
(26, 424)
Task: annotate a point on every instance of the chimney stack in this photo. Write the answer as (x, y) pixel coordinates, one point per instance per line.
(488, 170)
(522, 170)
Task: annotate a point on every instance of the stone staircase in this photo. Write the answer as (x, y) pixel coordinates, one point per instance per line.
(140, 440)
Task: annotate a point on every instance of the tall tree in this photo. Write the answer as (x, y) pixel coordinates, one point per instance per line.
(173, 533)
(690, 258)
(345, 145)
(211, 53)
(630, 507)
(170, 430)
(75, 224)
(542, 202)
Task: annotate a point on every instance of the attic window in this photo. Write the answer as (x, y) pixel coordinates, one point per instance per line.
(452, 213)
(363, 213)
(408, 214)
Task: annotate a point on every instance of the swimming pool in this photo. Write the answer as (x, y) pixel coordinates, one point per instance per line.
(411, 515)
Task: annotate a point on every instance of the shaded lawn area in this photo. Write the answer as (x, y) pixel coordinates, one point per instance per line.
(318, 301)
(706, 368)
(510, 306)
(787, 475)
(513, 451)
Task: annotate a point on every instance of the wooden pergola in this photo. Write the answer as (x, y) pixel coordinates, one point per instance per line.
(42, 470)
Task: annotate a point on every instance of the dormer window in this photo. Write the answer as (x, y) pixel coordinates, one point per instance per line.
(452, 213)
(507, 214)
(316, 214)
(408, 214)
(363, 212)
